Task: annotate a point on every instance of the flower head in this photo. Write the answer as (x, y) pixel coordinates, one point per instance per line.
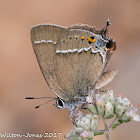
(121, 104)
(122, 100)
(132, 113)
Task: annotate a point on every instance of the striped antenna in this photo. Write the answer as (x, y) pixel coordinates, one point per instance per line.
(44, 103)
(40, 98)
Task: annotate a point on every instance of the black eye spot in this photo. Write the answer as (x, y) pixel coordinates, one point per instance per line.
(109, 44)
(76, 37)
(83, 38)
(92, 37)
(63, 40)
(70, 37)
(60, 103)
(89, 42)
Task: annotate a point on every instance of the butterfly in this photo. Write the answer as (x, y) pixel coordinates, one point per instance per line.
(72, 60)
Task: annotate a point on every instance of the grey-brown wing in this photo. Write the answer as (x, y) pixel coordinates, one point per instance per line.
(44, 38)
(78, 62)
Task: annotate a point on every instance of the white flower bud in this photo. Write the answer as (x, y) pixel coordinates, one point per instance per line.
(136, 118)
(84, 129)
(119, 110)
(94, 122)
(125, 117)
(93, 109)
(132, 113)
(121, 105)
(109, 109)
(122, 101)
(84, 121)
(78, 129)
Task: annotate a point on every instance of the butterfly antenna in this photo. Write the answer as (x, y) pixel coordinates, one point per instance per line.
(40, 98)
(104, 31)
(44, 103)
(108, 23)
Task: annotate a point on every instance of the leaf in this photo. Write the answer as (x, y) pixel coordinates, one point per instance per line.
(98, 133)
(116, 124)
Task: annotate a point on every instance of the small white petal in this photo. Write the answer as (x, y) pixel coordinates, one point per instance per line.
(136, 118)
(110, 94)
(89, 99)
(109, 106)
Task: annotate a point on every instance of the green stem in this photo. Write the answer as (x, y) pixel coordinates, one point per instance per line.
(111, 125)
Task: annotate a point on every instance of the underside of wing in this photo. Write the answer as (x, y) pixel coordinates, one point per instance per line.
(79, 63)
(44, 37)
(85, 27)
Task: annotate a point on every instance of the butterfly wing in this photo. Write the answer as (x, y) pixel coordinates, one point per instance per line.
(68, 59)
(44, 37)
(79, 64)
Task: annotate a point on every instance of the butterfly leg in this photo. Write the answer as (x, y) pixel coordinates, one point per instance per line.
(102, 90)
(83, 106)
(98, 91)
(72, 114)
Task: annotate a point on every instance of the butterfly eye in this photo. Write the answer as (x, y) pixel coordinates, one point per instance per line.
(60, 103)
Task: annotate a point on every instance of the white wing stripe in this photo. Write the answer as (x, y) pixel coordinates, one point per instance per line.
(44, 41)
(83, 49)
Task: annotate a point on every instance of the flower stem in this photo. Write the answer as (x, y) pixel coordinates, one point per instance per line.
(107, 135)
(107, 132)
(111, 125)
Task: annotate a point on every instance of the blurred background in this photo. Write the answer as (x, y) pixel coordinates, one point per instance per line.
(20, 75)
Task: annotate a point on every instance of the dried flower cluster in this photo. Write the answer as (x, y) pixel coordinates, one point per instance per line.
(107, 107)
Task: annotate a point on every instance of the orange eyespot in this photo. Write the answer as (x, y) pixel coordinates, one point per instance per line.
(112, 48)
(88, 95)
(83, 38)
(91, 39)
